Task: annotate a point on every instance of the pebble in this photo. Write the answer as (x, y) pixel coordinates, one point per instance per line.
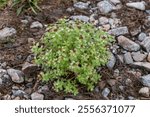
(5, 33)
(127, 44)
(138, 56)
(81, 18)
(143, 65)
(103, 20)
(105, 92)
(37, 96)
(131, 98)
(19, 93)
(29, 69)
(145, 80)
(115, 2)
(17, 76)
(81, 5)
(144, 92)
(137, 5)
(146, 44)
(119, 31)
(111, 82)
(36, 24)
(141, 36)
(105, 7)
(148, 57)
(111, 62)
(128, 58)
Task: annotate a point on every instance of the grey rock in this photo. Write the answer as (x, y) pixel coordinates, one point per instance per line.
(25, 22)
(145, 80)
(128, 82)
(144, 91)
(120, 58)
(17, 76)
(127, 44)
(5, 33)
(70, 10)
(103, 20)
(137, 5)
(36, 24)
(28, 68)
(119, 31)
(81, 5)
(80, 17)
(131, 98)
(105, 7)
(148, 12)
(135, 31)
(114, 22)
(116, 73)
(19, 93)
(37, 96)
(111, 82)
(144, 65)
(141, 36)
(111, 62)
(128, 58)
(115, 1)
(148, 57)
(44, 88)
(105, 92)
(146, 44)
(138, 56)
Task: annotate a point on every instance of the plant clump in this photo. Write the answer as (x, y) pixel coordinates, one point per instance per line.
(70, 52)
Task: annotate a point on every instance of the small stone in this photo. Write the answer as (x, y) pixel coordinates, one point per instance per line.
(148, 57)
(44, 88)
(119, 31)
(37, 96)
(116, 72)
(114, 22)
(128, 58)
(144, 91)
(122, 88)
(143, 65)
(141, 36)
(137, 5)
(36, 24)
(5, 33)
(127, 44)
(105, 92)
(111, 82)
(120, 58)
(115, 2)
(135, 31)
(19, 93)
(103, 20)
(106, 27)
(131, 98)
(81, 18)
(25, 22)
(28, 68)
(145, 80)
(138, 56)
(70, 10)
(81, 5)
(111, 62)
(128, 82)
(146, 44)
(105, 7)
(17, 76)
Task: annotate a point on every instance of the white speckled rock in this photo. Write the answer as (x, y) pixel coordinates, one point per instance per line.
(144, 91)
(105, 7)
(137, 5)
(119, 31)
(36, 24)
(37, 96)
(80, 17)
(17, 76)
(128, 44)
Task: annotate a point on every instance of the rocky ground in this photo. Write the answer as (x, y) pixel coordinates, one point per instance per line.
(126, 75)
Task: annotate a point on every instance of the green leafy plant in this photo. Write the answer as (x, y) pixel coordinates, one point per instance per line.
(25, 4)
(69, 54)
(3, 3)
